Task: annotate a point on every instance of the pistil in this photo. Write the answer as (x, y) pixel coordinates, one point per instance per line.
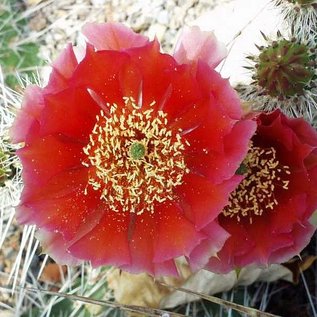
(137, 150)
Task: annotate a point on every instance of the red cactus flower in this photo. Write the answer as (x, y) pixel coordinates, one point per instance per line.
(130, 154)
(268, 214)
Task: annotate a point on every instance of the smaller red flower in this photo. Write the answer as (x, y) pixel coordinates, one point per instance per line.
(268, 214)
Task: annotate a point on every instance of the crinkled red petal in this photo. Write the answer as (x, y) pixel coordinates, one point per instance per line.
(99, 71)
(210, 82)
(166, 268)
(47, 156)
(209, 134)
(130, 80)
(209, 247)
(60, 185)
(71, 112)
(141, 234)
(220, 165)
(175, 235)
(158, 71)
(301, 235)
(107, 243)
(65, 214)
(181, 94)
(202, 200)
(237, 244)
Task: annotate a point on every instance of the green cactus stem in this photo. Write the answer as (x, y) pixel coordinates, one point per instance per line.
(4, 170)
(303, 2)
(18, 53)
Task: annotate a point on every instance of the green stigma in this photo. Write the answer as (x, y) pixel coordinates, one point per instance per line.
(137, 150)
(242, 170)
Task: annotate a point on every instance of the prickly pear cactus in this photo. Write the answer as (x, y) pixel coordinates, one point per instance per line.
(302, 2)
(18, 54)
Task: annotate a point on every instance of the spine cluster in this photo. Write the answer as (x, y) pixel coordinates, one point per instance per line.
(283, 76)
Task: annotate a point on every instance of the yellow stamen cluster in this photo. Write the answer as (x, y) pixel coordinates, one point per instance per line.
(256, 193)
(136, 159)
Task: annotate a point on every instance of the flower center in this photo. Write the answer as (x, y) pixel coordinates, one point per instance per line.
(265, 176)
(134, 159)
(137, 150)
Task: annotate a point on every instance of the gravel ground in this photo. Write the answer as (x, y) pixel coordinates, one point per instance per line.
(58, 22)
(235, 22)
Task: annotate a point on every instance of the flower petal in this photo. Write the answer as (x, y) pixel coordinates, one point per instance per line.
(301, 236)
(60, 185)
(53, 244)
(26, 124)
(112, 36)
(176, 235)
(130, 79)
(176, 104)
(209, 134)
(157, 71)
(212, 83)
(60, 107)
(141, 235)
(67, 214)
(104, 79)
(47, 156)
(201, 200)
(208, 247)
(220, 165)
(166, 268)
(194, 45)
(62, 70)
(107, 243)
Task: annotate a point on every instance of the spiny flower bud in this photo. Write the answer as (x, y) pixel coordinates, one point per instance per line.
(284, 76)
(284, 68)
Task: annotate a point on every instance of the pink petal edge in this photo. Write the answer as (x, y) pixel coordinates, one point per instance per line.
(66, 62)
(209, 247)
(112, 36)
(28, 115)
(194, 44)
(54, 245)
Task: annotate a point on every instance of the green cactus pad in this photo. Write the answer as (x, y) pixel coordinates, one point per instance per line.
(18, 53)
(4, 170)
